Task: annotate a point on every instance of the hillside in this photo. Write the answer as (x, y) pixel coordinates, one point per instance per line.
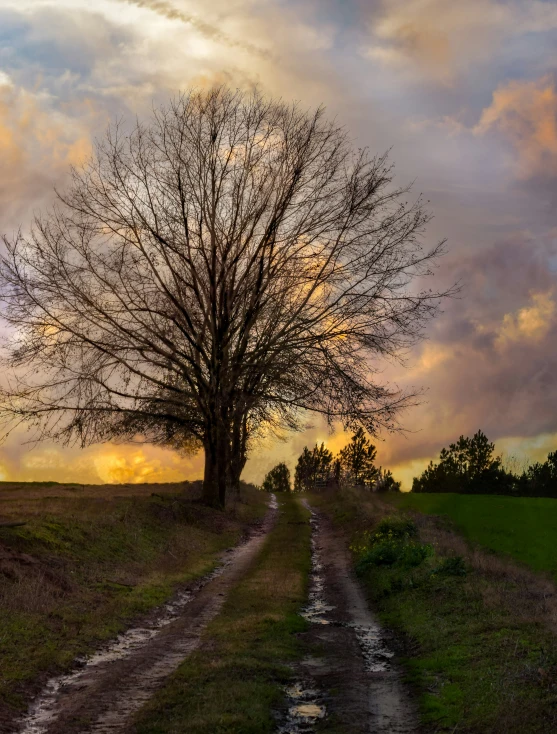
(89, 561)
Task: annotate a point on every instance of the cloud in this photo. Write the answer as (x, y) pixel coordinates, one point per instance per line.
(443, 42)
(99, 464)
(525, 114)
(490, 362)
(38, 143)
(435, 38)
(530, 324)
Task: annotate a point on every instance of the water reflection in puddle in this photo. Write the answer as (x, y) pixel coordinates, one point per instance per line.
(305, 705)
(304, 709)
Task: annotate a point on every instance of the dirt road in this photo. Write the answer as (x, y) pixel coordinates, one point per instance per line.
(352, 684)
(104, 693)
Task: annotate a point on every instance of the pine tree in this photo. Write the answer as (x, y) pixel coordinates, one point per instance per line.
(358, 460)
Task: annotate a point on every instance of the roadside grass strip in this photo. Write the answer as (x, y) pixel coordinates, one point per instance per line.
(82, 569)
(234, 682)
(478, 637)
(524, 528)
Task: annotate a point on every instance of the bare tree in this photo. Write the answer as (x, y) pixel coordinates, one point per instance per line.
(227, 265)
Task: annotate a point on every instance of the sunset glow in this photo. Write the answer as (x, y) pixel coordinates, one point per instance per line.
(465, 95)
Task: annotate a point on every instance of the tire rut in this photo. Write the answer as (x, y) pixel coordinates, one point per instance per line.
(104, 694)
(357, 662)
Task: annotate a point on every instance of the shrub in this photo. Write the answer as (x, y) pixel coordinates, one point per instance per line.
(394, 528)
(414, 554)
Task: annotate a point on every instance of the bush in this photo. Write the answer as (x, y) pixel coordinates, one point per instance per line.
(394, 552)
(386, 553)
(414, 554)
(394, 528)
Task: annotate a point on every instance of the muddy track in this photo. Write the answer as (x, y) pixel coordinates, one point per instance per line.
(353, 677)
(104, 693)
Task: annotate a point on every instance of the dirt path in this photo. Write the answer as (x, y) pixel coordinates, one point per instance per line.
(355, 682)
(108, 689)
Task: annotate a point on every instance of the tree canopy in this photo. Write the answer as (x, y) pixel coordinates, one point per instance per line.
(313, 467)
(212, 272)
(469, 465)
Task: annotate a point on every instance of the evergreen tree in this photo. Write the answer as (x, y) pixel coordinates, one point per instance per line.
(312, 467)
(386, 482)
(357, 460)
(469, 465)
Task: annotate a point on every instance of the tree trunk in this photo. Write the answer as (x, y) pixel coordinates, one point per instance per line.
(238, 453)
(215, 477)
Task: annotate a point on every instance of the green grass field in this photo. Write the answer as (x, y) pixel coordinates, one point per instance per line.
(524, 528)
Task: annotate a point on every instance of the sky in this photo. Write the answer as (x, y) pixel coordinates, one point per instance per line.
(464, 95)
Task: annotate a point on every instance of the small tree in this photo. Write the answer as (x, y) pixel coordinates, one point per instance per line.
(540, 479)
(357, 460)
(277, 480)
(313, 466)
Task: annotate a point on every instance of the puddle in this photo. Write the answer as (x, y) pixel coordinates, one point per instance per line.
(44, 711)
(374, 650)
(305, 709)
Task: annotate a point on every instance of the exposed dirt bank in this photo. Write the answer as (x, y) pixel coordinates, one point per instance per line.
(360, 684)
(107, 690)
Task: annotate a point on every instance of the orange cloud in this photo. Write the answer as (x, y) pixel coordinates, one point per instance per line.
(529, 324)
(106, 463)
(526, 115)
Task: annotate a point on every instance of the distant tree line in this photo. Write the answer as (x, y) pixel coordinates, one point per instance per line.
(318, 468)
(470, 466)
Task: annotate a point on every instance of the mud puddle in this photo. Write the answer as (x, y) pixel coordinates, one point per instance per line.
(357, 660)
(104, 690)
(305, 709)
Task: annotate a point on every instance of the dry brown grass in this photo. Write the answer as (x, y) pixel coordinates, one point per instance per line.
(20, 495)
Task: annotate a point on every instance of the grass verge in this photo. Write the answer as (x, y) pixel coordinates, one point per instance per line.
(524, 528)
(232, 684)
(84, 567)
(480, 646)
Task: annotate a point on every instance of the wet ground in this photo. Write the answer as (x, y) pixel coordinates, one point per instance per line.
(103, 692)
(352, 682)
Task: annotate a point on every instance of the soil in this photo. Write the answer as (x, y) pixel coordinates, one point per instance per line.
(354, 666)
(103, 694)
